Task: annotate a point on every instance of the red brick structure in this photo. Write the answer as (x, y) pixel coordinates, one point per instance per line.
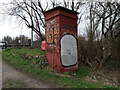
(61, 39)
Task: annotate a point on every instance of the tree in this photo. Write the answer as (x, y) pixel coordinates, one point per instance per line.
(103, 31)
(29, 12)
(108, 14)
(7, 39)
(32, 12)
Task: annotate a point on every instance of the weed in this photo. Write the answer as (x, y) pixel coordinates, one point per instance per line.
(13, 57)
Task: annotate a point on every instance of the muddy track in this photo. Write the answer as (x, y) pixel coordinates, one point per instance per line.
(10, 73)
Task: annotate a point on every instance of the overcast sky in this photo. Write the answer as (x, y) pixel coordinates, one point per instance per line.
(9, 26)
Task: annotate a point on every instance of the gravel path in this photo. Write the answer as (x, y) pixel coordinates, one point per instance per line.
(10, 73)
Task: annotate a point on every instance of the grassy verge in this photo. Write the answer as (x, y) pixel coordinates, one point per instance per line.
(0, 52)
(12, 56)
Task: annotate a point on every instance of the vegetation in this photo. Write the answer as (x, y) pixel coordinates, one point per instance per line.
(101, 38)
(13, 84)
(0, 52)
(76, 79)
(36, 51)
(99, 47)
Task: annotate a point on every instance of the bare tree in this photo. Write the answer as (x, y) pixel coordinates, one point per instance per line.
(102, 37)
(7, 39)
(108, 14)
(20, 41)
(31, 12)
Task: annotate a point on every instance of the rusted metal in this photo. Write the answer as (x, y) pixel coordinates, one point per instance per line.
(61, 39)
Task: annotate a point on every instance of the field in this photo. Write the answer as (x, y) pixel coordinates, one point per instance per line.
(77, 79)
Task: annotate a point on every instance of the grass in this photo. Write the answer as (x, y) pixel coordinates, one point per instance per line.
(12, 56)
(82, 72)
(13, 84)
(29, 51)
(0, 51)
(0, 54)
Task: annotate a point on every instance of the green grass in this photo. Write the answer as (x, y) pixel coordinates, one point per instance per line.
(81, 72)
(29, 51)
(12, 56)
(0, 51)
(13, 84)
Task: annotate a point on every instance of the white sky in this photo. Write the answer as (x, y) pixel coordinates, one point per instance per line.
(10, 27)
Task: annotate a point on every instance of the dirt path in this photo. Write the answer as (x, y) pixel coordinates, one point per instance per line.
(10, 73)
(0, 69)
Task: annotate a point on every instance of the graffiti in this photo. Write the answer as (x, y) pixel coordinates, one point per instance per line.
(51, 35)
(55, 35)
(61, 43)
(68, 50)
(52, 31)
(50, 50)
(69, 27)
(52, 23)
